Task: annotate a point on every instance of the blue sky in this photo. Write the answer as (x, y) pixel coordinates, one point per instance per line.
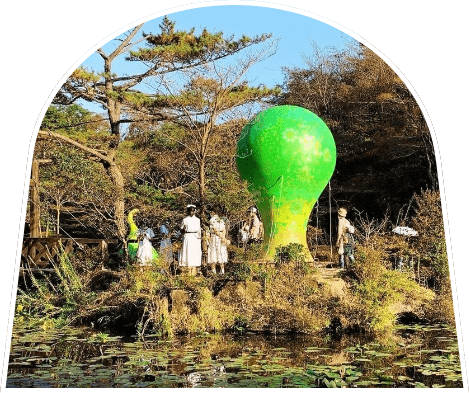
(294, 31)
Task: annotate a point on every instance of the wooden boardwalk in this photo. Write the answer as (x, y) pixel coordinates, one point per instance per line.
(38, 252)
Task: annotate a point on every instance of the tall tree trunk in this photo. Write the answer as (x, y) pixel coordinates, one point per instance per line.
(117, 179)
(202, 186)
(113, 106)
(114, 113)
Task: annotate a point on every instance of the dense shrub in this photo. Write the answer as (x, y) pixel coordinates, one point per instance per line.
(382, 293)
(292, 253)
(431, 243)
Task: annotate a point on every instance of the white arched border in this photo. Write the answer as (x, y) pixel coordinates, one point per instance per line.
(212, 4)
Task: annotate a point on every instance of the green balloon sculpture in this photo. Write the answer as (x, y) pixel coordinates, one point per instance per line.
(288, 155)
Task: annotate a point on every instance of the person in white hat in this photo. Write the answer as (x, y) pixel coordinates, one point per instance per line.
(344, 242)
(254, 225)
(190, 256)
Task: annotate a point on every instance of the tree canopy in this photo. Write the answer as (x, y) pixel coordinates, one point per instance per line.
(385, 150)
(189, 116)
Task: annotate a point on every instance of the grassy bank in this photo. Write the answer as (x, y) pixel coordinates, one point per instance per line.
(286, 296)
(276, 298)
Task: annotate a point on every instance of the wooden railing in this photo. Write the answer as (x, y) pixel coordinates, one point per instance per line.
(37, 252)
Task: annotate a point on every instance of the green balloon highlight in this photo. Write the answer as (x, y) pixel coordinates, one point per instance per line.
(287, 154)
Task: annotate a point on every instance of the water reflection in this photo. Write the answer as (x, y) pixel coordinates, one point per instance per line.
(416, 356)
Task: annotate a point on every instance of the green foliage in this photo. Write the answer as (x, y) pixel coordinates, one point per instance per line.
(73, 180)
(164, 324)
(70, 280)
(379, 290)
(167, 136)
(72, 172)
(84, 75)
(76, 121)
(61, 116)
(100, 338)
(330, 377)
(242, 272)
(145, 281)
(171, 46)
(201, 93)
(264, 274)
(249, 254)
(293, 253)
(56, 304)
(151, 196)
(241, 323)
(227, 190)
(431, 242)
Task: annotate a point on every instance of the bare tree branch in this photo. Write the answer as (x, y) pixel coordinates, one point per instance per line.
(119, 50)
(49, 134)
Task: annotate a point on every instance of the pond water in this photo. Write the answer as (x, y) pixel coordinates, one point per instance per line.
(418, 356)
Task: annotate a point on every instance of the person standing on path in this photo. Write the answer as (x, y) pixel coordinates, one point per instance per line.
(254, 225)
(190, 256)
(166, 247)
(145, 249)
(217, 251)
(244, 234)
(344, 242)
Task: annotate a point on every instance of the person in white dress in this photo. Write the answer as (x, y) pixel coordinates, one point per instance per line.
(190, 256)
(217, 251)
(145, 249)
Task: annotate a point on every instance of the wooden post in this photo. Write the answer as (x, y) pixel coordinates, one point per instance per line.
(34, 212)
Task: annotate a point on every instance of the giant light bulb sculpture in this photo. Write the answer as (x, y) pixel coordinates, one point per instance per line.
(287, 154)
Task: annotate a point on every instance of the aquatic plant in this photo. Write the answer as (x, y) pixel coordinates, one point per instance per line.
(53, 302)
(76, 357)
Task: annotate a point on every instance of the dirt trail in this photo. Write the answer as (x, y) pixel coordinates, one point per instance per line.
(330, 278)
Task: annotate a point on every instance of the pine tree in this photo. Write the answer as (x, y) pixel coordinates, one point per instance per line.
(168, 52)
